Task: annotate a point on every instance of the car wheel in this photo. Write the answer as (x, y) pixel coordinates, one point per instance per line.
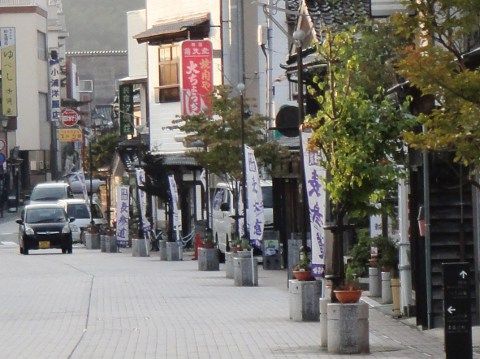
(69, 250)
(25, 251)
(21, 250)
(64, 251)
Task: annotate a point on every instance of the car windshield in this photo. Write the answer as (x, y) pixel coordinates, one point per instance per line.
(267, 195)
(48, 194)
(45, 215)
(78, 210)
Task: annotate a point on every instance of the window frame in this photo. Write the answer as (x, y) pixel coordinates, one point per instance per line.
(162, 94)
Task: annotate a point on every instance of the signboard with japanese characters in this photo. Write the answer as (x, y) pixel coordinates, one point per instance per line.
(174, 198)
(125, 105)
(255, 215)
(8, 63)
(69, 135)
(122, 215)
(316, 194)
(142, 199)
(69, 117)
(54, 70)
(197, 76)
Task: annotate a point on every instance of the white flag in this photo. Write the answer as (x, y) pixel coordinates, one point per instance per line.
(255, 215)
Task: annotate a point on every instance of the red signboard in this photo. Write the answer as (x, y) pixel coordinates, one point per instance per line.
(69, 117)
(197, 76)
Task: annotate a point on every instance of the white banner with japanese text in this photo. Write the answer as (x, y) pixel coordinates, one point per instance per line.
(314, 177)
(174, 194)
(255, 215)
(142, 200)
(122, 215)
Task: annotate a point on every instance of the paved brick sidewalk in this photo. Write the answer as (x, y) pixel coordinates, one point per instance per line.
(98, 305)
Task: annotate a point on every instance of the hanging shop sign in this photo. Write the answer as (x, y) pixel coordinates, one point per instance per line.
(255, 215)
(69, 135)
(54, 72)
(125, 105)
(197, 76)
(69, 117)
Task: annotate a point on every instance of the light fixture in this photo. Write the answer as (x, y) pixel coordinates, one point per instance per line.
(4, 123)
(299, 35)
(241, 87)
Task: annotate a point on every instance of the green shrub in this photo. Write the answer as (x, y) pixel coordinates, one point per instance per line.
(360, 254)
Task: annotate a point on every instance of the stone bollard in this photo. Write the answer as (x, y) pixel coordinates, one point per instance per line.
(103, 243)
(92, 240)
(374, 282)
(112, 244)
(324, 321)
(208, 259)
(303, 299)
(386, 288)
(348, 328)
(229, 265)
(174, 251)
(242, 271)
(162, 250)
(139, 247)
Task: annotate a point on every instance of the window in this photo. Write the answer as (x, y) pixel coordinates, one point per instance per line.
(168, 68)
(41, 46)
(42, 106)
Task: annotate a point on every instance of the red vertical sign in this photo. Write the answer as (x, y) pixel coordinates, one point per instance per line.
(197, 76)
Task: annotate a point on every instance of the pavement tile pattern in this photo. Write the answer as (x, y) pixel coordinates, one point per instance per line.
(98, 305)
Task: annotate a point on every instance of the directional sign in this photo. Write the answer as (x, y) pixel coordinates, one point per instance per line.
(69, 117)
(457, 313)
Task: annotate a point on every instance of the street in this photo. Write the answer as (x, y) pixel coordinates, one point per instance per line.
(98, 305)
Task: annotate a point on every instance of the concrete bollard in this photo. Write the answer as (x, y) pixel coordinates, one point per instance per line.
(348, 328)
(92, 240)
(162, 250)
(103, 243)
(386, 288)
(208, 259)
(229, 265)
(173, 251)
(303, 299)
(139, 247)
(242, 272)
(324, 321)
(112, 244)
(374, 282)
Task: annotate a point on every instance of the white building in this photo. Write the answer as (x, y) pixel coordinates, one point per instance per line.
(36, 27)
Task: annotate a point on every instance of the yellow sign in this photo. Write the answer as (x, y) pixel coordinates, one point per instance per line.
(9, 80)
(69, 135)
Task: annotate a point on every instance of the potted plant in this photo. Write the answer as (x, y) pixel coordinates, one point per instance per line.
(208, 241)
(350, 291)
(302, 270)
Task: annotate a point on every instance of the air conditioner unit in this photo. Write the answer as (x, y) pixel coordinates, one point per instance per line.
(85, 86)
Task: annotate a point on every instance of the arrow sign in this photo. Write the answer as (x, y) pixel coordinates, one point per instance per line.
(463, 274)
(451, 309)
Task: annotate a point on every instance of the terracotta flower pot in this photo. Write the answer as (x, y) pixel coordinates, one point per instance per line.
(302, 275)
(348, 296)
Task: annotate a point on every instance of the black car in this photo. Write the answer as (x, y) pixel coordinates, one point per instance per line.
(45, 226)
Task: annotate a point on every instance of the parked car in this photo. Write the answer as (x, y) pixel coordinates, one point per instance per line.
(223, 211)
(44, 226)
(50, 192)
(79, 209)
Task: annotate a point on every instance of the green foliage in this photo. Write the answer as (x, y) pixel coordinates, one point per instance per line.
(103, 149)
(434, 63)
(304, 262)
(388, 253)
(358, 128)
(360, 254)
(220, 134)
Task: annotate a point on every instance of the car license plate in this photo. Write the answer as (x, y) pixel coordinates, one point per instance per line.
(43, 244)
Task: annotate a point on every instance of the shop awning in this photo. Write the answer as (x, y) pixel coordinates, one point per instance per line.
(176, 29)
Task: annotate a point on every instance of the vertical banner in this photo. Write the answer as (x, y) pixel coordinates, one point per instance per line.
(314, 176)
(142, 200)
(255, 215)
(174, 194)
(197, 76)
(54, 70)
(8, 62)
(125, 106)
(123, 214)
(80, 175)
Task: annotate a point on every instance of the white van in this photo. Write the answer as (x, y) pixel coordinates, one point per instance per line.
(223, 211)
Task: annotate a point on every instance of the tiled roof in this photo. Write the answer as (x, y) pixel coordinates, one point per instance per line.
(333, 13)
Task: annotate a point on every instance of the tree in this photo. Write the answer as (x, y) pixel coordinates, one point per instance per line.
(437, 63)
(358, 127)
(219, 136)
(103, 147)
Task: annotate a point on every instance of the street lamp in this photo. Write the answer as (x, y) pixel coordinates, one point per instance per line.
(299, 36)
(241, 90)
